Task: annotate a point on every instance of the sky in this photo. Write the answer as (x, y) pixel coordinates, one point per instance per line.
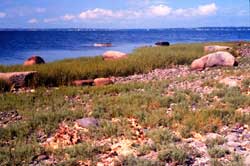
(123, 14)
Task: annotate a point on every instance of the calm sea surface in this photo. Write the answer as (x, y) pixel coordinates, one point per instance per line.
(56, 44)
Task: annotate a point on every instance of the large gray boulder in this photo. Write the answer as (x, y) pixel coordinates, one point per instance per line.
(220, 58)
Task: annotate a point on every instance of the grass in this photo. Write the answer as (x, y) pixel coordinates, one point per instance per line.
(162, 138)
(174, 155)
(218, 152)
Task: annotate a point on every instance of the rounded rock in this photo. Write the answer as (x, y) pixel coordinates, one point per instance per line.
(34, 60)
(87, 122)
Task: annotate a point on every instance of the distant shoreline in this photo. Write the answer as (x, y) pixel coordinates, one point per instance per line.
(121, 29)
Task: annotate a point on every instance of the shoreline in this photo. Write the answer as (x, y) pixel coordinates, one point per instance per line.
(129, 49)
(165, 113)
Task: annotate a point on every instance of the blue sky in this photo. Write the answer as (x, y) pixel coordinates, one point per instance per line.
(122, 13)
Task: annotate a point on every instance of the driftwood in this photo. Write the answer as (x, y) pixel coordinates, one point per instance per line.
(18, 79)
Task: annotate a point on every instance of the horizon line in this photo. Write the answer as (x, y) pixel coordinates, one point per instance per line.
(1, 29)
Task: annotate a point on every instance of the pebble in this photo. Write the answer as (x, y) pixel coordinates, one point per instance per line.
(87, 122)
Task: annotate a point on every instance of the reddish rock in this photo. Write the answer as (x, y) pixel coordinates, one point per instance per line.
(33, 61)
(114, 55)
(83, 82)
(214, 48)
(18, 79)
(102, 81)
(199, 64)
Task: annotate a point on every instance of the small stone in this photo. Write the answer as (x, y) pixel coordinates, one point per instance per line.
(233, 137)
(83, 82)
(87, 122)
(213, 136)
(233, 144)
(42, 157)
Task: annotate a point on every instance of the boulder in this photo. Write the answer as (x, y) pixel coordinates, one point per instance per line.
(102, 81)
(83, 82)
(214, 48)
(199, 64)
(103, 45)
(220, 58)
(33, 61)
(87, 122)
(114, 55)
(18, 79)
(162, 44)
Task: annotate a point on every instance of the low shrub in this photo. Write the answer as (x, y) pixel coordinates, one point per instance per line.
(174, 155)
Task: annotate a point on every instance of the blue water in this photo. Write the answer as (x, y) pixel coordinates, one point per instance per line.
(56, 44)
